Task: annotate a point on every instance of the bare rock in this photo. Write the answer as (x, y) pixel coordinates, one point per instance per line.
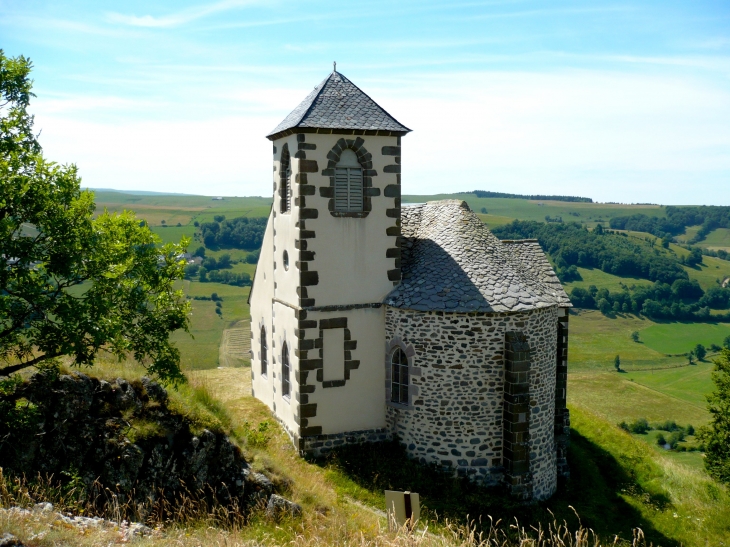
(279, 507)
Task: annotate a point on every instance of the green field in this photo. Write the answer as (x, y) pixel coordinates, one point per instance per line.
(200, 351)
(673, 338)
(717, 239)
(603, 280)
(523, 209)
(595, 339)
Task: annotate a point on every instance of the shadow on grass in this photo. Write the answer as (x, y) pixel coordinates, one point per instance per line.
(595, 490)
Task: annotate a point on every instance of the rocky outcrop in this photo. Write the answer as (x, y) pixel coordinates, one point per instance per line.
(121, 437)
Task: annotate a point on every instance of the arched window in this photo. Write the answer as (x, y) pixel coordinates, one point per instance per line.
(399, 377)
(285, 180)
(264, 356)
(285, 385)
(348, 183)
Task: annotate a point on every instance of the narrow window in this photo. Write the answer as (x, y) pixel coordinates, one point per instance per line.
(285, 386)
(285, 181)
(399, 377)
(348, 183)
(264, 357)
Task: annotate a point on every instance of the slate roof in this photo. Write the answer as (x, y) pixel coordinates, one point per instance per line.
(450, 261)
(337, 103)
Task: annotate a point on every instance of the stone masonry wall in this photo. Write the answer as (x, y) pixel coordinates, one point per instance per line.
(457, 368)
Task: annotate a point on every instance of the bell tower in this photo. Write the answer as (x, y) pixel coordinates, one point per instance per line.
(330, 255)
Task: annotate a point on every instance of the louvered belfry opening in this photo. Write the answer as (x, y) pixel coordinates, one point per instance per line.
(285, 181)
(348, 183)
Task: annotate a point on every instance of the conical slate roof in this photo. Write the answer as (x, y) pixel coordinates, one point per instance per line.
(337, 103)
(450, 261)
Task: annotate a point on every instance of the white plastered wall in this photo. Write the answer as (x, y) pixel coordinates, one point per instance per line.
(360, 403)
(262, 294)
(285, 407)
(350, 253)
(285, 228)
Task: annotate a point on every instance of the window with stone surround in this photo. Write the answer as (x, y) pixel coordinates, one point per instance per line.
(264, 357)
(348, 183)
(399, 377)
(285, 180)
(285, 369)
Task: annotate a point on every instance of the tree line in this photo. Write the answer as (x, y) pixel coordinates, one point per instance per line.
(571, 245)
(237, 233)
(488, 194)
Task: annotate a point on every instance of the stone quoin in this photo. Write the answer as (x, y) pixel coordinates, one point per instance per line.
(370, 320)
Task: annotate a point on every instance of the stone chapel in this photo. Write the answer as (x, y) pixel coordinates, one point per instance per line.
(371, 320)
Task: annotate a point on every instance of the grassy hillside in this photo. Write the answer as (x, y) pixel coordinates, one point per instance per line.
(617, 483)
(523, 209)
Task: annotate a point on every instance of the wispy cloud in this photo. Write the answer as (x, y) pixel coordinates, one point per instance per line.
(180, 17)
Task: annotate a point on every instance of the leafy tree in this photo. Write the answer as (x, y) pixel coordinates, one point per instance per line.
(210, 263)
(191, 270)
(200, 251)
(726, 342)
(716, 436)
(71, 284)
(635, 336)
(598, 230)
(219, 218)
(253, 257)
(484, 210)
(695, 257)
(224, 261)
(700, 351)
(617, 363)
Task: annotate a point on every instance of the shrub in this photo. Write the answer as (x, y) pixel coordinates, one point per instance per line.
(635, 336)
(640, 426)
(252, 257)
(700, 351)
(660, 440)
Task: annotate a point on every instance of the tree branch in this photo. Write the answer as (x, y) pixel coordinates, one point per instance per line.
(7, 371)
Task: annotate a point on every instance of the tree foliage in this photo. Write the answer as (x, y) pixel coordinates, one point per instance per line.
(238, 233)
(72, 284)
(716, 436)
(570, 244)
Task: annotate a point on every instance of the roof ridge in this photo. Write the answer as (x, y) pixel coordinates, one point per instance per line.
(321, 87)
(338, 105)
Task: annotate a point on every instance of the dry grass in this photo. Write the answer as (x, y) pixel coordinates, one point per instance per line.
(45, 530)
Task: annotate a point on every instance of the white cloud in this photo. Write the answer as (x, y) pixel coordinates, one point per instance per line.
(181, 17)
(607, 135)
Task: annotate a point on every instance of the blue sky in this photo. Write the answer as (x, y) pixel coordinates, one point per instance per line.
(618, 101)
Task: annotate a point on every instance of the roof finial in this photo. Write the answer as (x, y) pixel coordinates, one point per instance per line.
(334, 66)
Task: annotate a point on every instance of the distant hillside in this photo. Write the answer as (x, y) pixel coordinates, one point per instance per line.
(487, 194)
